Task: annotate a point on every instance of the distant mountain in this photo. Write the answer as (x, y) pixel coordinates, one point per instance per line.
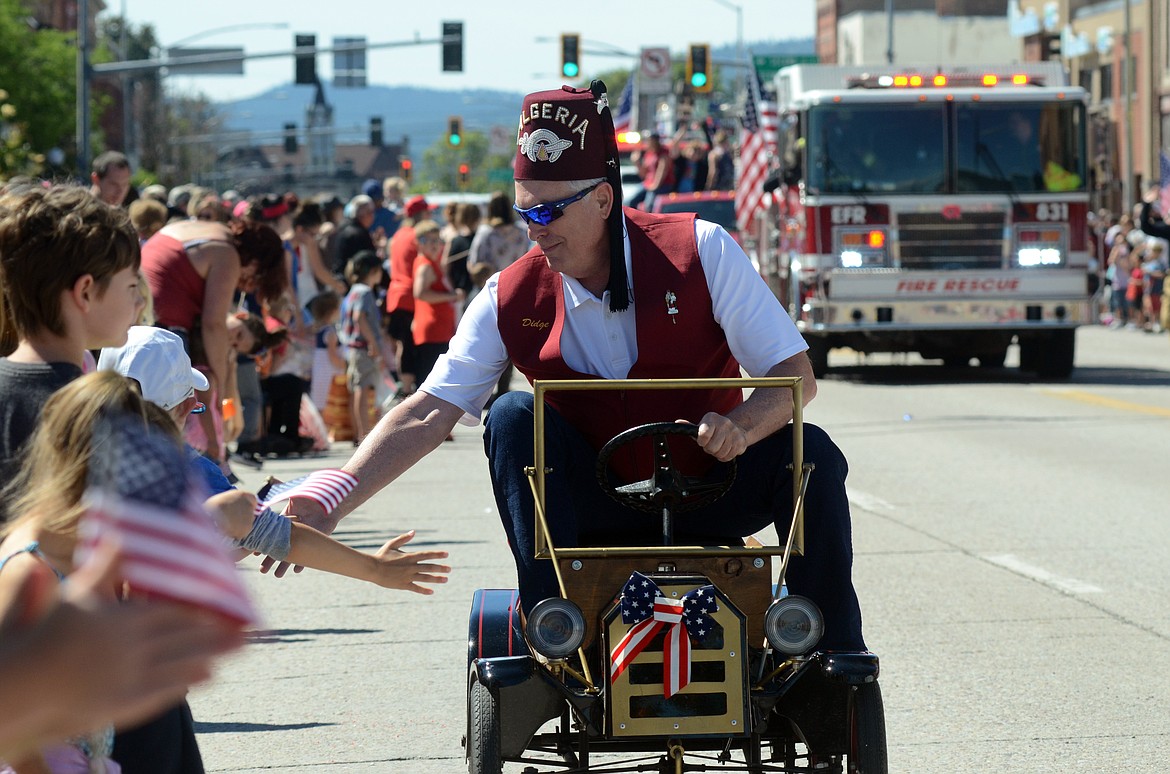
(418, 114)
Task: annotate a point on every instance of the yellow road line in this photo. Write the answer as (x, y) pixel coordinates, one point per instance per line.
(1113, 403)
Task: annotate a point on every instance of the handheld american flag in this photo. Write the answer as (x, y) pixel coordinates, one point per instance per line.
(625, 111)
(327, 487)
(142, 492)
(757, 145)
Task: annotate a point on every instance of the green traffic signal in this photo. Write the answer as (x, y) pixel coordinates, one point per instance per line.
(699, 80)
(570, 55)
(454, 139)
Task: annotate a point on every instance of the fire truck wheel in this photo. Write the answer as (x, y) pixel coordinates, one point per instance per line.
(993, 359)
(818, 356)
(1055, 360)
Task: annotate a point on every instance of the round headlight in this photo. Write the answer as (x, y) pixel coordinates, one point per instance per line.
(793, 625)
(555, 628)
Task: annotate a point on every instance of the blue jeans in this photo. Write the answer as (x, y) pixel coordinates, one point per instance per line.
(248, 383)
(580, 513)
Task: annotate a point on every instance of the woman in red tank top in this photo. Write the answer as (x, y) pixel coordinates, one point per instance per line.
(434, 300)
(194, 268)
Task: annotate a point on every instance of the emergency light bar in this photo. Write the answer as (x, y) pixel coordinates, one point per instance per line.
(952, 80)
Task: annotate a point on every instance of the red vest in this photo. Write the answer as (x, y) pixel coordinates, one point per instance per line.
(434, 323)
(689, 344)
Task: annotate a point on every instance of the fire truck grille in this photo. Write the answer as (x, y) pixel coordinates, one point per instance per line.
(974, 240)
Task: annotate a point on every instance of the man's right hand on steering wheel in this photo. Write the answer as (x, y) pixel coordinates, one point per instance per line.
(720, 437)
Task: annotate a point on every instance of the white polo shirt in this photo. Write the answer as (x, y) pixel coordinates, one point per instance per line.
(603, 343)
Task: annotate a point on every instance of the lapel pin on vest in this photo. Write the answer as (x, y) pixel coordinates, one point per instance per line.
(671, 309)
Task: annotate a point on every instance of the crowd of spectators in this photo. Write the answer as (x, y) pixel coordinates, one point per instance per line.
(1129, 267)
(213, 325)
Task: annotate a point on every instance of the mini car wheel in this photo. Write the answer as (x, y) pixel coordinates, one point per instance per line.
(483, 731)
(867, 731)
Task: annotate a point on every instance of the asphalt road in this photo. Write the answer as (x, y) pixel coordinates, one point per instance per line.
(1012, 558)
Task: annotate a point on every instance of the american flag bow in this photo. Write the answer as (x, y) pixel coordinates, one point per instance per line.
(643, 605)
(143, 492)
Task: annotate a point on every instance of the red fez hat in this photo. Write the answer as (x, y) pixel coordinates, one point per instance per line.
(562, 136)
(568, 134)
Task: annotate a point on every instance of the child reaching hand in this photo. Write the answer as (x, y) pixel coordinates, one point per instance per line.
(50, 506)
(156, 362)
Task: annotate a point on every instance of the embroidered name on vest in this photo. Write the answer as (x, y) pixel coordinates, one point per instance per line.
(528, 322)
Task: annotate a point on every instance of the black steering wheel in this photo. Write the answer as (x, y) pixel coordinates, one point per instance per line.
(667, 491)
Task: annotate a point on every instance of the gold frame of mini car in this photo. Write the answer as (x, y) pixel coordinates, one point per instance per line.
(800, 476)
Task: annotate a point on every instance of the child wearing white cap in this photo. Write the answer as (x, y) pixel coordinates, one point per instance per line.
(156, 359)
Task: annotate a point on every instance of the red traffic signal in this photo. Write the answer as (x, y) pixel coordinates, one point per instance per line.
(406, 167)
(464, 172)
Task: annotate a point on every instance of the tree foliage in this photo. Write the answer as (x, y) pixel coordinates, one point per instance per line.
(37, 70)
(440, 165)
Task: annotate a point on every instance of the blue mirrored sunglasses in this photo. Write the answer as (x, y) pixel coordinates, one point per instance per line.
(543, 214)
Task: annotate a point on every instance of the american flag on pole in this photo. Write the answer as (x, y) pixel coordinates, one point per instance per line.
(1164, 183)
(141, 491)
(621, 119)
(756, 148)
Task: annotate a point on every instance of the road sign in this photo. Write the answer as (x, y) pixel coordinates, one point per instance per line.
(654, 71)
(225, 67)
(501, 140)
(768, 66)
(349, 63)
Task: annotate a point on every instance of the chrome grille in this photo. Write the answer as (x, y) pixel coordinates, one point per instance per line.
(974, 240)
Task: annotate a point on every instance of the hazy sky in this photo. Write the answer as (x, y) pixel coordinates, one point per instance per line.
(509, 45)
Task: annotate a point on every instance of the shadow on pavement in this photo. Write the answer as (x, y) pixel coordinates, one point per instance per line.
(241, 728)
(300, 635)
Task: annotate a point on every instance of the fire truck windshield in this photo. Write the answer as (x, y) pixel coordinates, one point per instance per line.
(888, 148)
(933, 147)
(1020, 147)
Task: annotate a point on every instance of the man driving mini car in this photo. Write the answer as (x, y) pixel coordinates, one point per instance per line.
(615, 293)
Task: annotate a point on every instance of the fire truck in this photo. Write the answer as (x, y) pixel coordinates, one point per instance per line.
(939, 211)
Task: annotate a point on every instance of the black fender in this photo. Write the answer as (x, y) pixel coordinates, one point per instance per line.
(850, 668)
(494, 628)
(527, 697)
(812, 704)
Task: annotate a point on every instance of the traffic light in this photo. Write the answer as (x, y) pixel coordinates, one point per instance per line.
(464, 173)
(454, 131)
(452, 47)
(290, 138)
(570, 55)
(698, 67)
(376, 132)
(306, 64)
(405, 169)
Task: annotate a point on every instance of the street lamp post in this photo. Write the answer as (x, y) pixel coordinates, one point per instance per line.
(739, 52)
(82, 139)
